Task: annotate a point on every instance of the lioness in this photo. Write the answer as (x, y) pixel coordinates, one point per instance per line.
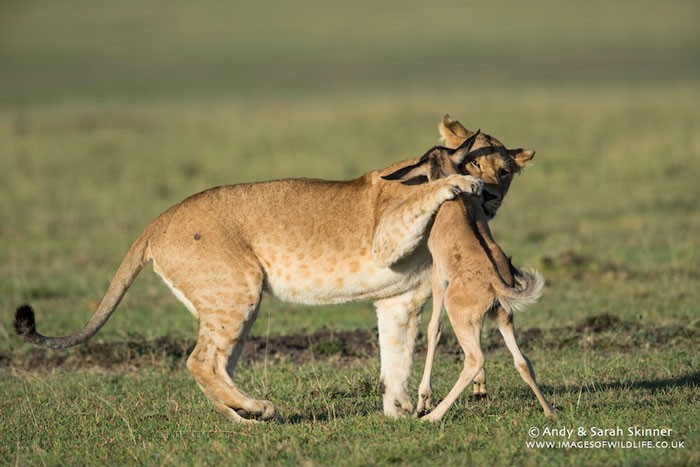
(305, 241)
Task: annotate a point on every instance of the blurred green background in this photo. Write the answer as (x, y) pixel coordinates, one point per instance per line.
(179, 50)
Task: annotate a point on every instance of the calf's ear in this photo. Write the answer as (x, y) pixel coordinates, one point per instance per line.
(419, 169)
(460, 154)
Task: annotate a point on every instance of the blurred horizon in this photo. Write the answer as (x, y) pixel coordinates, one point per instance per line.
(76, 50)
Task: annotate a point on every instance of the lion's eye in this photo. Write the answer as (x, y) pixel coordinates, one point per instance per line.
(504, 173)
(475, 164)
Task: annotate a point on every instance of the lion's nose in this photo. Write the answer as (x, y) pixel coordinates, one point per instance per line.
(488, 196)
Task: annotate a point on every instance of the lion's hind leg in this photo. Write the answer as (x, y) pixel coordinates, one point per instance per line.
(227, 306)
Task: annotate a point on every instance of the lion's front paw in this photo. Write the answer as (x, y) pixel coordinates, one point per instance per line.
(476, 185)
(398, 406)
(464, 184)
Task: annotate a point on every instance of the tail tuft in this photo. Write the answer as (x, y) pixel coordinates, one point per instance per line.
(25, 325)
(527, 291)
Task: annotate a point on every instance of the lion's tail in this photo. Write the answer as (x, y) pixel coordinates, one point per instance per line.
(135, 259)
(528, 289)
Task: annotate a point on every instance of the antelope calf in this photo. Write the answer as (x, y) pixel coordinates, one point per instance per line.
(471, 278)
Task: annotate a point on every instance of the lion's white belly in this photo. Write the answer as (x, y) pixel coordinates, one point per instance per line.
(319, 283)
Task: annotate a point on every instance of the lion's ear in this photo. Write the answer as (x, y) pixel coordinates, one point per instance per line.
(452, 133)
(522, 157)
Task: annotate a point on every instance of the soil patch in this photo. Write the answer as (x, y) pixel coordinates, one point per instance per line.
(602, 332)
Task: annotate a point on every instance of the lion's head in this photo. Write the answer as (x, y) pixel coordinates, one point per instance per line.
(488, 160)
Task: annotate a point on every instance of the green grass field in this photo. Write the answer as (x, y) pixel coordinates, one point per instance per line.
(111, 114)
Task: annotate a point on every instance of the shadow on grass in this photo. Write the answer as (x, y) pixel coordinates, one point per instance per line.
(299, 418)
(691, 380)
(654, 385)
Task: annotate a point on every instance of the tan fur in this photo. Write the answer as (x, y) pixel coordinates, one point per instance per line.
(495, 164)
(304, 241)
(471, 277)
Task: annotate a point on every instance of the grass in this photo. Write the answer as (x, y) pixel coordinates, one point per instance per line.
(99, 136)
(331, 414)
